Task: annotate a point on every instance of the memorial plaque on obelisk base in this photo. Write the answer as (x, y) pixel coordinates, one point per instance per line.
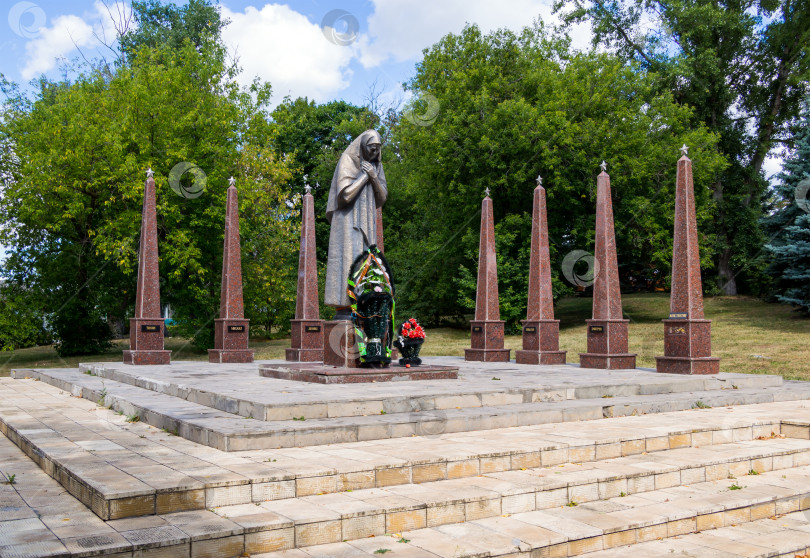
(146, 328)
(541, 332)
(231, 329)
(487, 327)
(687, 335)
(307, 327)
(607, 331)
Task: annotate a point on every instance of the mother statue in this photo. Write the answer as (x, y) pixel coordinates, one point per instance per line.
(358, 189)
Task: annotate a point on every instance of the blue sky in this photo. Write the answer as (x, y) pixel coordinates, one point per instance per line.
(289, 44)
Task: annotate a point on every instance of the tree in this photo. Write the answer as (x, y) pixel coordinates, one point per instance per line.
(742, 66)
(789, 225)
(72, 209)
(512, 107)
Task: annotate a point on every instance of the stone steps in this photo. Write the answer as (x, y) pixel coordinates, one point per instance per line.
(202, 383)
(121, 469)
(647, 520)
(785, 536)
(229, 432)
(566, 490)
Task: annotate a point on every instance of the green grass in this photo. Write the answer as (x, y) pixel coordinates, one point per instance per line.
(749, 336)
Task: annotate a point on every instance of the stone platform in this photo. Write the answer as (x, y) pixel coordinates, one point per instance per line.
(79, 479)
(317, 373)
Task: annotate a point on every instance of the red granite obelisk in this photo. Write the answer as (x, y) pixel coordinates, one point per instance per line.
(380, 239)
(687, 335)
(231, 329)
(607, 331)
(487, 327)
(146, 328)
(307, 327)
(541, 332)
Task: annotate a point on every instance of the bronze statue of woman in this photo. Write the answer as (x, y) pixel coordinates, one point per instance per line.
(358, 189)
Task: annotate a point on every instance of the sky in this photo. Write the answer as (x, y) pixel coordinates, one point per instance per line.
(320, 49)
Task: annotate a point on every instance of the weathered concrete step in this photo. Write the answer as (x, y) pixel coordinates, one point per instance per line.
(638, 481)
(239, 390)
(39, 519)
(112, 467)
(585, 528)
(785, 536)
(228, 432)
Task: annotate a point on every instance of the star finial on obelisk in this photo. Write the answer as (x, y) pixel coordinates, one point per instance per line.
(231, 181)
(150, 173)
(684, 150)
(307, 189)
(604, 166)
(486, 192)
(539, 180)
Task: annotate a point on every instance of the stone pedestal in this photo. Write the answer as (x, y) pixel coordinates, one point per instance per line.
(487, 342)
(607, 330)
(307, 327)
(607, 346)
(541, 332)
(339, 344)
(486, 337)
(231, 330)
(687, 335)
(147, 335)
(231, 339)
(541, 343)
(689, 343)
(146, 328)
(307, 341)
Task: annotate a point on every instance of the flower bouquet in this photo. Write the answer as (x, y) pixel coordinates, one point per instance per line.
(372, 294)
(410, 337)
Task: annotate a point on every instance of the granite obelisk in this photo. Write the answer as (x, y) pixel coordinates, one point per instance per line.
(607, 331)
(231, 329)
(146, 328)
(307, 327)
(687, 335)
(541, 332)
(487, 327)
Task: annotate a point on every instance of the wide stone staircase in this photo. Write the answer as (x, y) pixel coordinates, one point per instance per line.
(88, 471)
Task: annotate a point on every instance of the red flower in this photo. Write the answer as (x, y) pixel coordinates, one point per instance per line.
(412, 320)
(406, 325)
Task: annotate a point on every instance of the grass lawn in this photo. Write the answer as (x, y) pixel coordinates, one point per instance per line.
(749, 336)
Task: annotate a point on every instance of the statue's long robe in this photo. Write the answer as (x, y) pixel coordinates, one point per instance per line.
(353, 225)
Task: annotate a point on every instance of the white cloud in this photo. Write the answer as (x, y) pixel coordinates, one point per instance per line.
(69, 32)
(54, 42)
(399, 31)
(283, 47)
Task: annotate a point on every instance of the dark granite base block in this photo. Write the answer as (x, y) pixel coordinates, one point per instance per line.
(303, 355)
(320, 374)
(339, 346)
(540, 357)
(230, 356)
(147, 357)
(487, 355)
(607, 362)
(686, 365)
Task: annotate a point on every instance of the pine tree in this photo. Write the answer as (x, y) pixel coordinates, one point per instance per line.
(789, 226)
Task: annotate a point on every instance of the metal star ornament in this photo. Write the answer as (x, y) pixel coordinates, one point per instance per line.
(231, 181)
(150, 173)
(539, 180)
(604, 166)
(486, 192)
(684, 150)
(308, 189)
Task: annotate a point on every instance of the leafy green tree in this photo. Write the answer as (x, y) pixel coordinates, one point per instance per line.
(512, 107)
(789, 225)
(22, 324)
(72, 209)
(743, 68)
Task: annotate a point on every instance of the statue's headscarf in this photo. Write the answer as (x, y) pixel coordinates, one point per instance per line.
(349, 168)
